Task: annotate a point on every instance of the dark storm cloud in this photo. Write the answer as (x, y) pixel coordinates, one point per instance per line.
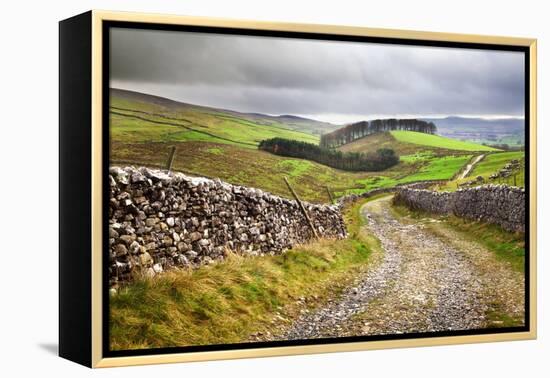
(279, 76)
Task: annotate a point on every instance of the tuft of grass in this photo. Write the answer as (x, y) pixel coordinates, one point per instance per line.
(215, 151)
(498, 318)
(229, 301)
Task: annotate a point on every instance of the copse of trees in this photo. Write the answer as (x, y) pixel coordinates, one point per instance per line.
(348, 161)
(349, 133)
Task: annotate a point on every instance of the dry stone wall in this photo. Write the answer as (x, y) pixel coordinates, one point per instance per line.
(497, 204)
(159, 221)
(351, 198)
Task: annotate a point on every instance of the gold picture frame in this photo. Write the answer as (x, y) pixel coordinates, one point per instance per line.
(92, 25)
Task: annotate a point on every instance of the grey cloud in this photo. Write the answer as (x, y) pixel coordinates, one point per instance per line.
(276, 76)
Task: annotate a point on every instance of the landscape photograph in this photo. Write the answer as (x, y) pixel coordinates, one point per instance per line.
(268, 189)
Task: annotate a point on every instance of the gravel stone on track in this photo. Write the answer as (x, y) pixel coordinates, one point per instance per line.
(423, 284)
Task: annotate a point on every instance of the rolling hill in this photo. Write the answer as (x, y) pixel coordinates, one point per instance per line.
(423, 156)
(123, 101)
(219, 143)
(407, 143)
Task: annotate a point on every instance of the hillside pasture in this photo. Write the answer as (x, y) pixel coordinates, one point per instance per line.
(241, 166)
(491, 164)
(222, 144)
(494, 162)
(433, 169)
(437, 141)
(130, 122)
(373, 142)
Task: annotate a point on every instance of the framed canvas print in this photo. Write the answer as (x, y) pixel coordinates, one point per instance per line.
(235, 189)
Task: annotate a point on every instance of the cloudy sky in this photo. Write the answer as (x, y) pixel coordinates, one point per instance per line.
(332, 81)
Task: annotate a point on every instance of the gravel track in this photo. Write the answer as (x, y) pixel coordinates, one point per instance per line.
(470, 167)
(423, 283)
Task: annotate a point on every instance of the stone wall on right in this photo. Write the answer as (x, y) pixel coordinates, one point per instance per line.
(497, 204)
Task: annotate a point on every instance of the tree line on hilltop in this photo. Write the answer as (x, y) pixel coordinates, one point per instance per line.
(349, 133)
(348, 161)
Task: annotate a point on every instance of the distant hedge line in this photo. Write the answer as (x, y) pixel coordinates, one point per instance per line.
(348, 161)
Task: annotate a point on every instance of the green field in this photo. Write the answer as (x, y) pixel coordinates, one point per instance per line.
(492, 163)
(437, 141)
(133, 125)
(443, 168)
(373, 142)
(414, 149)
(436, 168)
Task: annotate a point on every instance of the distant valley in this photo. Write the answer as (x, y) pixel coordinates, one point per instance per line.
(480, 130)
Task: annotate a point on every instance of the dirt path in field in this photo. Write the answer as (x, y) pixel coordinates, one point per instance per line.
(428, 279)
(470, 167)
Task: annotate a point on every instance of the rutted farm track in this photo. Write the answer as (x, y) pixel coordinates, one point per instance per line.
(470, 166)
(427, 278)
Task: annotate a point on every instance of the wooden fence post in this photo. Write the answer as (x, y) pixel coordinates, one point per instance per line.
(171, 159)
(302, 208)
(329, 195)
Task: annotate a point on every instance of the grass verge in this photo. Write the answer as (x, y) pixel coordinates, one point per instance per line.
(229, 301)
(507, 246)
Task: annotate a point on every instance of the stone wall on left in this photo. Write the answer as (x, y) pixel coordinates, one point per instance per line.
(160, 220)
